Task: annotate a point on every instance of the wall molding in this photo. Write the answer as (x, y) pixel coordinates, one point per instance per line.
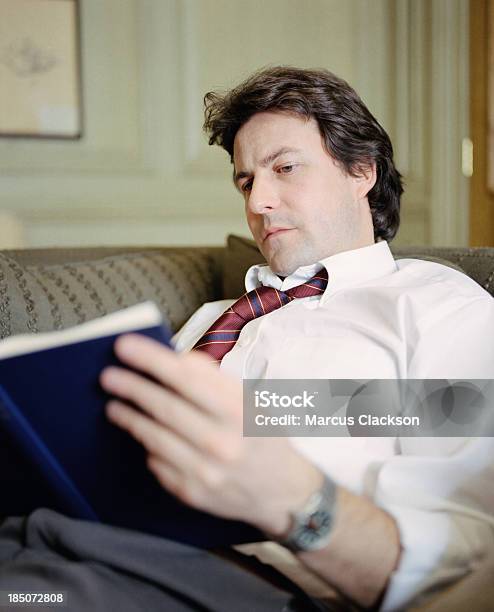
(449, 107)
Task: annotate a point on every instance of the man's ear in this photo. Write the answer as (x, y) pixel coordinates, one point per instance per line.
(365, 180)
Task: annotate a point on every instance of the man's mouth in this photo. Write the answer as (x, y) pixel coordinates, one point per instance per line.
(273, 231)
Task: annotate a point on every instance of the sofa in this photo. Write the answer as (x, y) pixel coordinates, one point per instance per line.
(48, 289)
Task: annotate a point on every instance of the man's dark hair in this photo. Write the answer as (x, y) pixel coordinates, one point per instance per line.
(351, 134)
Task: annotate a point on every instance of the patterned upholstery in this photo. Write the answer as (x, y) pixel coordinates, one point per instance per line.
(46, 289)
(56, 288)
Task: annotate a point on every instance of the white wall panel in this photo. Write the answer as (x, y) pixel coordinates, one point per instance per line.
(143, 168)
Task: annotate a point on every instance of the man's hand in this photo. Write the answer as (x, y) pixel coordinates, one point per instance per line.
(190, 423)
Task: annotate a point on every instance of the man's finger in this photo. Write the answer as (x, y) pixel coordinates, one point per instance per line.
(191, 375)
(157, 440)
(171, 411)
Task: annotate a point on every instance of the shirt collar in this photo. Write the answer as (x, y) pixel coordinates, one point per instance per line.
(344, 270)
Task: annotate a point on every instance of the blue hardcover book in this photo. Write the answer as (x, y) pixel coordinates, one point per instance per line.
(58, 450)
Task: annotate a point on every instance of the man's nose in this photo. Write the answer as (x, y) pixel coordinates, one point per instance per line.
(263, 196)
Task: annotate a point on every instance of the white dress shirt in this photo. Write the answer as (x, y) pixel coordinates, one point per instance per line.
(381, 318)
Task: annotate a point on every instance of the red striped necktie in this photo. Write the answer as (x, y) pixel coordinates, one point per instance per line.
(224, 332)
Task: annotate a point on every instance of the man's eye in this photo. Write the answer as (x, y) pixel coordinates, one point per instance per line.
(286, 169)
(247, 186)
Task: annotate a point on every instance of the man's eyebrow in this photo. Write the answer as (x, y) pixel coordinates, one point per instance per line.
(269, 159)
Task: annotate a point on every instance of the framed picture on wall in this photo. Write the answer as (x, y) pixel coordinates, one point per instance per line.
(40, 69)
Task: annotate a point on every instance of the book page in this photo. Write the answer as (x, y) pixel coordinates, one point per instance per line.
(130, 319)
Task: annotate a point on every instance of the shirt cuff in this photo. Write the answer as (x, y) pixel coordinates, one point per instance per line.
(434, 554)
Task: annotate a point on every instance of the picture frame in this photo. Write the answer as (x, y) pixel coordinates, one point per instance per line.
(40, 69)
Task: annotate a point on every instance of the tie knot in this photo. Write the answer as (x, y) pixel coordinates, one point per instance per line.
(314, 286)
(223, 334)
(263, 300)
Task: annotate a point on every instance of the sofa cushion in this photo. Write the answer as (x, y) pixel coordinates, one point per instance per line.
(241, 253)
(38, 297)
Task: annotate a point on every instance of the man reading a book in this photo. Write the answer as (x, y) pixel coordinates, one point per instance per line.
(397, 517)
(383, 521)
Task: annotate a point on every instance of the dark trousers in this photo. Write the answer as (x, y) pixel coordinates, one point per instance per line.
(103, 568)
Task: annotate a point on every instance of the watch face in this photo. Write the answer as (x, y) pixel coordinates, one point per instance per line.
(312, 526)
(319, 520)
(315, 532)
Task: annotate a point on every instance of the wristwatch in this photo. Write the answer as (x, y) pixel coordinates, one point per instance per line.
(312, 526)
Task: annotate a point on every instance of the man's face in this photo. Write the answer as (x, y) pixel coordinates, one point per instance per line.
(300, 206)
